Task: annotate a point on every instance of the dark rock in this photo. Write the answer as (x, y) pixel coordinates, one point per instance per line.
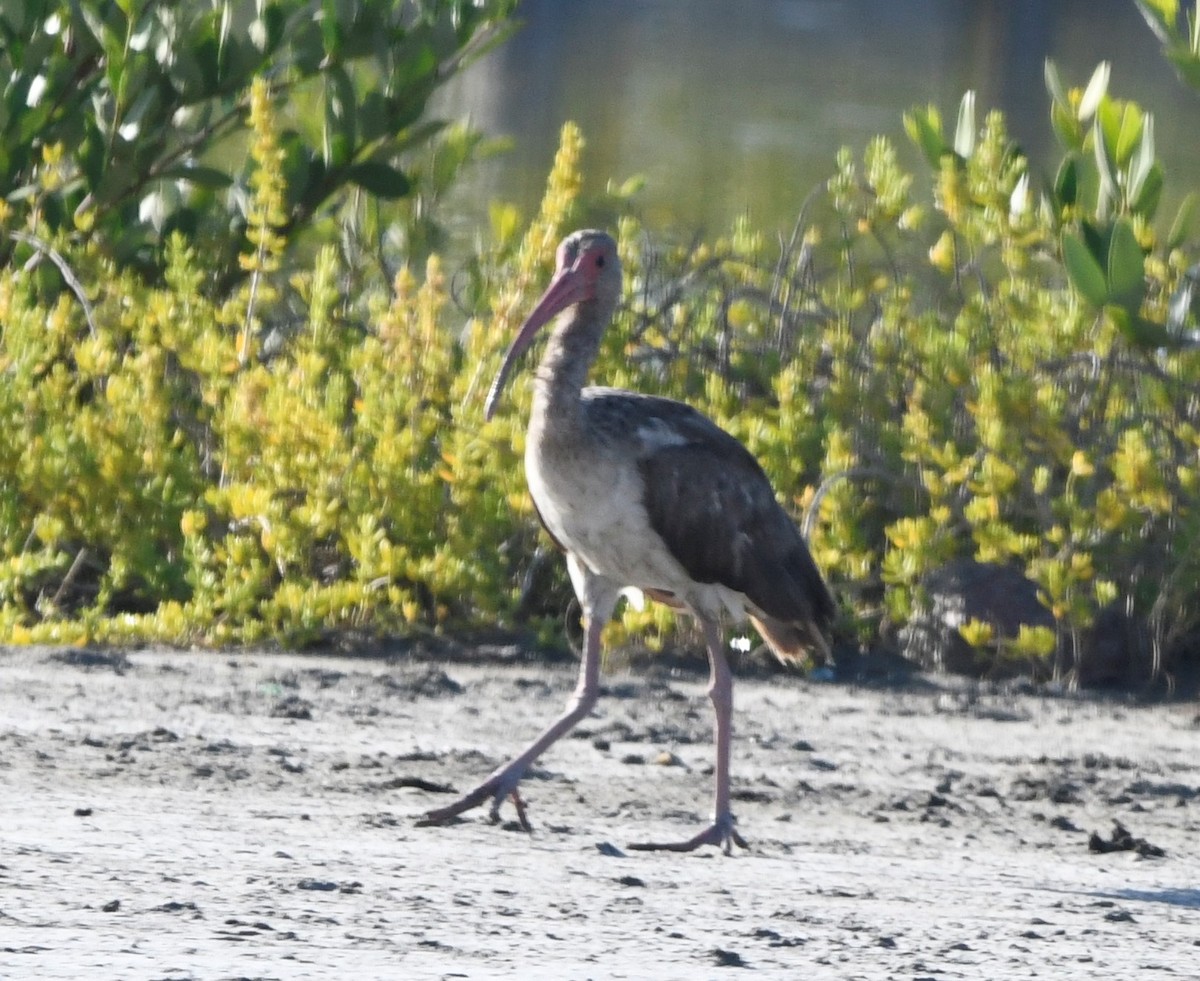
(317, 885)
(90, 657)
(293, 707)
(965, 590)
(1123, 841)
(435, 683)
(1116, 650)
(727, 958)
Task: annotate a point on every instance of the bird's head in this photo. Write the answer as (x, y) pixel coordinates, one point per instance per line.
(587, 274)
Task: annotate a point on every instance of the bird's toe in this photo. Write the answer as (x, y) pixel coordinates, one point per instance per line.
(497, 788)
(721, 834)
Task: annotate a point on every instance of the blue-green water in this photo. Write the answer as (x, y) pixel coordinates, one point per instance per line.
(732, 106)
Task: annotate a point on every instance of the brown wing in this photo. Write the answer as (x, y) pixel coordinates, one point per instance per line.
(712, 505)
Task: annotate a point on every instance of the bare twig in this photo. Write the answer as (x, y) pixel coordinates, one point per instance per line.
(851, 473)
(80, 558)
(45, 248)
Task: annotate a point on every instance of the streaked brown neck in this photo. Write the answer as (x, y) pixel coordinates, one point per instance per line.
(564, 367)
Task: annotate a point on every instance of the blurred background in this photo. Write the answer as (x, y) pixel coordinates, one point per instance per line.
(739, 107)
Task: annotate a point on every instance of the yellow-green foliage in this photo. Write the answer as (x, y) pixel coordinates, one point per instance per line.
(169, 475)
(989, 410)
(916, 367)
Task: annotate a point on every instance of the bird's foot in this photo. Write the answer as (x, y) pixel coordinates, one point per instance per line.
(497, 787)
(721, 833)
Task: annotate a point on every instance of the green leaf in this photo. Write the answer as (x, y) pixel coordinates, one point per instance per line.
(92, 153)
(341, 117)
(414, 136)
(185, 75)
(380, 179)
(1186, 63)
(1084, 271)
(415, 62)
(1181, 227)
(1096, 240)
(505, 222)
(1142, 162)
(1146, 203)
(1108, 117)
(1094, 93)
(302, 168)
(1130, 134)
(207, 57)
(332, 34)
(1161, 16)
(628, 188)
(374, 117)
(964, 131)
(1141, 333)
(1126, 267)
(1107, 193)
(1066, 183)
(1054, 83)
(924, 128)
(1070, 133)
(307, 48)
(207, 177)
(260, 33)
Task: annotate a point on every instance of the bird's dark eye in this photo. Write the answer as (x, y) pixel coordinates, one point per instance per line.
(599, 260)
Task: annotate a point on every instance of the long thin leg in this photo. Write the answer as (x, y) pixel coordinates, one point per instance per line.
(720, 691)
(503, 781)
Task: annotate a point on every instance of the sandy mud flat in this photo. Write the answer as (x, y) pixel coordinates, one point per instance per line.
(197, 815)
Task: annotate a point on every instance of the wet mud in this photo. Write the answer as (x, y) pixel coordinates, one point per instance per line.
(198, 815)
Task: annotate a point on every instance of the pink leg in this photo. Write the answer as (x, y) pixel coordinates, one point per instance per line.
(720, 690)
(503, 781)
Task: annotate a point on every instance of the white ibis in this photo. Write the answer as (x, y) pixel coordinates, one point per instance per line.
(645, 493)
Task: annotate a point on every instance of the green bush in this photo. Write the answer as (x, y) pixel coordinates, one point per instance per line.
(168, 477)
(124, 121)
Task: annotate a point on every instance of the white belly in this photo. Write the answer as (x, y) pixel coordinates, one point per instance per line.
(596, 513)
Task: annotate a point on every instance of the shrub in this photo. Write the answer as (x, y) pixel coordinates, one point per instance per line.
(170, 476)
(1006, 375)
(124, 121)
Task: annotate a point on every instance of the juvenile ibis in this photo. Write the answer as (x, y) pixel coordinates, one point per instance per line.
(645, 493)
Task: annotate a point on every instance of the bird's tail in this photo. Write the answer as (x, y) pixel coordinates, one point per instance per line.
(793, 641)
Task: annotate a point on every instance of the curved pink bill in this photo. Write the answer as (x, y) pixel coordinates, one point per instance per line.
(567, 287)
